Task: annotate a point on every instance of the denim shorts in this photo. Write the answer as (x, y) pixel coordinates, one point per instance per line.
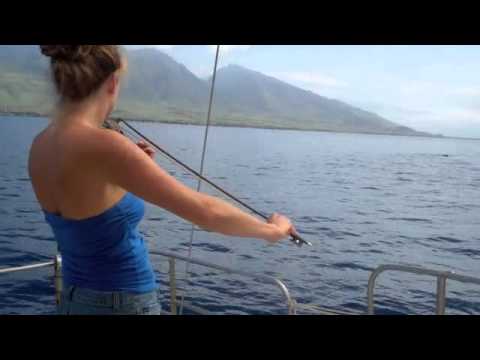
(81, 301)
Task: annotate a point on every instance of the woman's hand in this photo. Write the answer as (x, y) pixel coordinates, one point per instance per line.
(283, 227)
(147, 148)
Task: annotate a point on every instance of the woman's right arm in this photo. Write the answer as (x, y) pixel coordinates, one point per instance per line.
(129, 167)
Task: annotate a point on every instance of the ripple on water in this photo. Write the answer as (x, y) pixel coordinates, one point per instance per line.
(352, 266)
(370, 188)
(26, 211)
(208, 247)
(410, 219)
(467, 252)
(10, 195)
(156, 219)
(347, 233)
(445, 239)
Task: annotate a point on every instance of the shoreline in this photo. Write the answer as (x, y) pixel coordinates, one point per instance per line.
(175, 122)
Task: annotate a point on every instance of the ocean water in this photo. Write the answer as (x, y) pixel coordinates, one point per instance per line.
(362, 200)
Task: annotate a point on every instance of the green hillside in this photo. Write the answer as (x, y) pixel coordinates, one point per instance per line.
(157, 88)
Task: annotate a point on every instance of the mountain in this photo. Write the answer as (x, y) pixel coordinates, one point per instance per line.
(158, 88)
(252, 93)
(26, 59)
(24, 82)
(154, 76)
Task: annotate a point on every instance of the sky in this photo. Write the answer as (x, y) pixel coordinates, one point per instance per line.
(429, 88)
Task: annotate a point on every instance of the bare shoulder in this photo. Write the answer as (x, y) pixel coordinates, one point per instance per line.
(115, 155)
(37, 147)
(111, 145)
(37, 140)
(94, 142)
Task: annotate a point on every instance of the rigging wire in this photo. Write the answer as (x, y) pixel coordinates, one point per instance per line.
(202, 163)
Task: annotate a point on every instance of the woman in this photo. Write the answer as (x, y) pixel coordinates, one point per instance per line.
(91, 183)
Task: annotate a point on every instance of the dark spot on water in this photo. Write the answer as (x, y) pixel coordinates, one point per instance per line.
(322, 228)
(410, 219)
(406, 237)
(211, 247)
(374, 251)
(384, 211)
(346, 265)
(445, 239)
(11, 195)
(347, 233)
(22, 211)
(466, 252)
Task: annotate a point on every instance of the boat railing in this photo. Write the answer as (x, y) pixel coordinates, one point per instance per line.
(265, 279)
(27, 267)
(441, 276)
(172, 259)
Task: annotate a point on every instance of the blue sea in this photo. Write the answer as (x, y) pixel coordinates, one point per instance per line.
(362, 200)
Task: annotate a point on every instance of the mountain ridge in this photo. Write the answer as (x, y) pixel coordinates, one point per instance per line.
(159, 88)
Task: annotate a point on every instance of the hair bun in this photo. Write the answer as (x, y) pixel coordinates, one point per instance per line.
(66, 52)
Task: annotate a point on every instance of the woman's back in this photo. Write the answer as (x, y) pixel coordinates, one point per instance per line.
(65, 169)
(96, 232)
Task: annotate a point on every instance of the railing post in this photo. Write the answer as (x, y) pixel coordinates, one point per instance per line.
(58, 278)
(371, 289)
(441, 294)
(173, 286)
(292, 307)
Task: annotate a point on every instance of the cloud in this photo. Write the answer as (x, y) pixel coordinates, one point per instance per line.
(386, 108)
(312, 80)
(435, 89)
(160, 47)
(469, 91)
(202, 71)
(419, 88)
(228, 48)
(464, 116)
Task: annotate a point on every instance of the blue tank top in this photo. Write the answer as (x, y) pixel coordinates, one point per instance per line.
(105, 252)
